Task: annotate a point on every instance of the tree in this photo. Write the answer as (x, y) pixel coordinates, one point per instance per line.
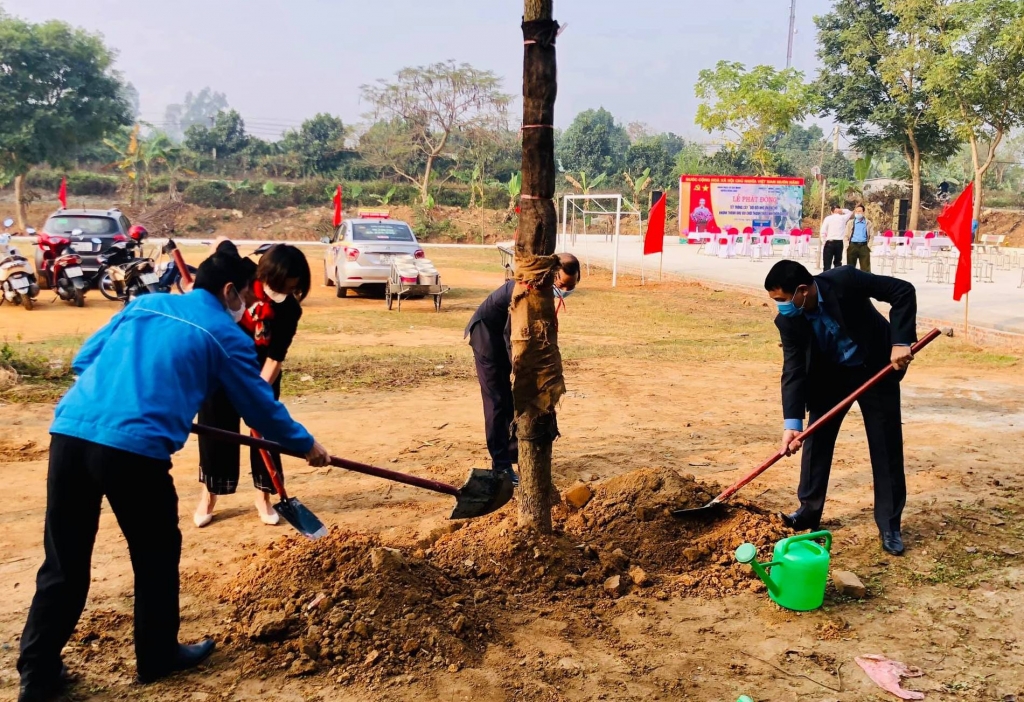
(423, 107)
(58, 92)
(225, 138)
(651, 154)
(199, 109)
(537, 379)
(873, 61)
(594, 143)
(976, 75)
(752, 108)
(319, 143)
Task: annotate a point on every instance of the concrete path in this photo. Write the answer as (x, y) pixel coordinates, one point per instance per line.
(998, 305)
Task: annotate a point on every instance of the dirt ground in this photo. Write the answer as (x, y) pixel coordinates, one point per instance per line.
(666, 384)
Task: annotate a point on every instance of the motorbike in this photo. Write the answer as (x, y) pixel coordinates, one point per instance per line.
(168, 270)
(61, 271)
(124, 276)
(17, 281)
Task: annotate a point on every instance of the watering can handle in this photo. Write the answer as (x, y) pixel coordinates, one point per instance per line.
(813, 536)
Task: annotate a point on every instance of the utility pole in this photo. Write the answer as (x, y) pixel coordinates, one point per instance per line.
(792, 32)
(835, 139)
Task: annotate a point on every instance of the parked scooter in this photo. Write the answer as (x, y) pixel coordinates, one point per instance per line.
(124, 276)
(17, 281)
(168, 270)
(61, 272)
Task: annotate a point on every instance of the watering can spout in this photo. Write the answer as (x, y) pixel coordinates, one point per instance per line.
(747, 553)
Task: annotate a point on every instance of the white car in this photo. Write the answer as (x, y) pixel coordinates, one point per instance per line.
(361, 251)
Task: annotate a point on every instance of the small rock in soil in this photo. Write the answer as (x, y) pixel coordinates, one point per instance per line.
(269, 626)
(618, 585)
(578, 496)
(848, 584)
(640, 576)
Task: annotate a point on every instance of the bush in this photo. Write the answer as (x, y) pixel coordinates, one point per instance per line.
(81, 183)
(209, 193)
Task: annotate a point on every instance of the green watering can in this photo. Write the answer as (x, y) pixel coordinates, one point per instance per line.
(799, 570)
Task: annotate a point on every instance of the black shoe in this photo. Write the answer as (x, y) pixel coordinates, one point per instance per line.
(31, 692)
(187, 657)
(510, 473)
(799, 522)
(892, 542)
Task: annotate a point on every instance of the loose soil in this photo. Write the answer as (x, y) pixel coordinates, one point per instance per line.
(653, 420)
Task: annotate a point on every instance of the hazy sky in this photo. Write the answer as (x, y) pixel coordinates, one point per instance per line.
(279, 62)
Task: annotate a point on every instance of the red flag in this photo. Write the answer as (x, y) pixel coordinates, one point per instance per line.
(62, 194)
(654, 240)
(337, 207)
(955, 220)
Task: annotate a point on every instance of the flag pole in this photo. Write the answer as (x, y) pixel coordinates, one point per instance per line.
(642, 257)
(661, 262)
(967, 307)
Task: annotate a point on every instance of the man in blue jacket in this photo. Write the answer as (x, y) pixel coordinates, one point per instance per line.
(140, 382)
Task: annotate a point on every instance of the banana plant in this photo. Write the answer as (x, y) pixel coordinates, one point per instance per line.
(638, 185)
(515, 189)
(582, 185)
(385, 199)
(130, 163)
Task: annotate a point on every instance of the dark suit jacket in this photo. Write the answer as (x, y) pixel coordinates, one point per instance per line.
(493, 313)
(847, 294)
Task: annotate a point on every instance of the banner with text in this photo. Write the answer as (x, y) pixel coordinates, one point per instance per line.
(711, 204)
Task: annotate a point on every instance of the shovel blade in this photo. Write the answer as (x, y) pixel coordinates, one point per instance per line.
(299, 516)
(484, 492)
(708, 512)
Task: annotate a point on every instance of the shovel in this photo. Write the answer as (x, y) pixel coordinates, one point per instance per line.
(484, 492)
(710, 510)
(293, 511)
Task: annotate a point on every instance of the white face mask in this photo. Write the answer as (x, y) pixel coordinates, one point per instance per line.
(236, 315)
(274, 295)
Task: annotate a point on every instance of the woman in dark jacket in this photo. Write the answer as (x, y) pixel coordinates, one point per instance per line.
(282, 282)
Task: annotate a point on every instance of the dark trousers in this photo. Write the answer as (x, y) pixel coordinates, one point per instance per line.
(494, 371)
(832, 253)
(859, 253)
(219, 460)
(141, 494)
(880, 407)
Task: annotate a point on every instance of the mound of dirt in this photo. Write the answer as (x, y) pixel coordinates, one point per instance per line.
(364, 610)
(632, 513)
(348, 605)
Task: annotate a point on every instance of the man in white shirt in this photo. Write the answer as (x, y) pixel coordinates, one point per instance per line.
(833, 229)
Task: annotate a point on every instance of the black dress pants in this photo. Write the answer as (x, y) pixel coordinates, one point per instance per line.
(494, 371)
(880, 407)
(832, 253)
(142, 496)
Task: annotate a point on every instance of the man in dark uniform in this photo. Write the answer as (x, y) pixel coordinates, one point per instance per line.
(490, 333)
(833, 340)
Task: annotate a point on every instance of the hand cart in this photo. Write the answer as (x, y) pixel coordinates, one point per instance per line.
(402, 282)
(508, 255)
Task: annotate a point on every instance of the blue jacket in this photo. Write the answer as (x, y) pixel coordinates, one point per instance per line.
(142, 378)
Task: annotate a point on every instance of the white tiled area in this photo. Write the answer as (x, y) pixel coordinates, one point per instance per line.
(996, 305)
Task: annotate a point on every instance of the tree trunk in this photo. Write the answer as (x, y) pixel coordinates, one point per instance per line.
(20, 202)
(915, 196)
(425, 185)
(537, 381)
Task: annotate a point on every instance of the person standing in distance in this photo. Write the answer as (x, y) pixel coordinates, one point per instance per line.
(833, 231)
(858, 236)
(833, 341)
(490, 336)
(140, 381)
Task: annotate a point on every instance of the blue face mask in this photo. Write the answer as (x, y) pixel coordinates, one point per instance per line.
(789, 308)
(859, 215)
(563, 293)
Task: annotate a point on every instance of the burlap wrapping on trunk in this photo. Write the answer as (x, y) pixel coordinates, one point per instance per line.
(537, 380)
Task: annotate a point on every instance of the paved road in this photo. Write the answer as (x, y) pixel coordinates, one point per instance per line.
(998, 305)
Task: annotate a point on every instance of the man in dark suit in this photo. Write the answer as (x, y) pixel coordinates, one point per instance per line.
(490, 332)
(833, 340)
